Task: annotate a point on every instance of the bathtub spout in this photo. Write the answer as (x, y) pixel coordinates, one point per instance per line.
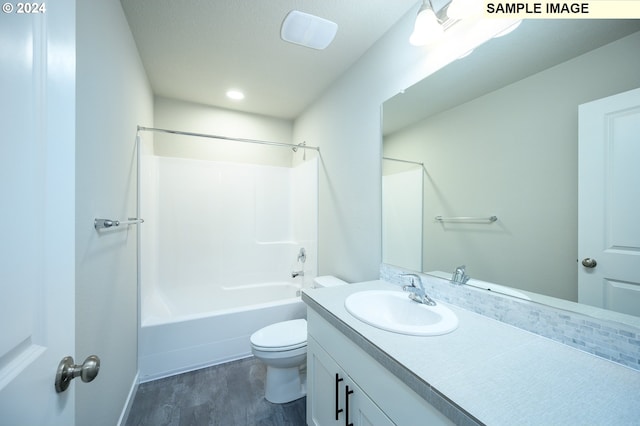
(297, 274)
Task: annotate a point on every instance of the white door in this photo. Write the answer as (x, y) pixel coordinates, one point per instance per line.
(37, 127)
(609, 203)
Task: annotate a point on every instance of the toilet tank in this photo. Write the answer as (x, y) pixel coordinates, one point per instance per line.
(327, 281)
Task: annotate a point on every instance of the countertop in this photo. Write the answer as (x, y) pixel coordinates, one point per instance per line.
(497, 373)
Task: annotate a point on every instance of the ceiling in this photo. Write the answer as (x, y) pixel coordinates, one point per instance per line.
(195, 50)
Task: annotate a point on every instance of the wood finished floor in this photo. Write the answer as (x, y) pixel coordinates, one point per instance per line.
(227, 395)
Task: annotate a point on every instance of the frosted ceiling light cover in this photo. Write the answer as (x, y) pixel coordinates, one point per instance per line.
(509, 29)
(427, 29)
(308, 30)
(235, 95)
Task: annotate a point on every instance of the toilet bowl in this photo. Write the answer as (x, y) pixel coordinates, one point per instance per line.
(283, 348)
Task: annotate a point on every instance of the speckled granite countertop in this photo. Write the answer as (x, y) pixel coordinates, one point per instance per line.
(497, 373)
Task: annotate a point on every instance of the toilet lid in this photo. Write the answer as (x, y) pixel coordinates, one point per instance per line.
(282, 335)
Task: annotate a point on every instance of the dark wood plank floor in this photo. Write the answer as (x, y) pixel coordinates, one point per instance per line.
(228, 394)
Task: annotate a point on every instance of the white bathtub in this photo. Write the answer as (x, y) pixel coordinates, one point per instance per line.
(193, 327)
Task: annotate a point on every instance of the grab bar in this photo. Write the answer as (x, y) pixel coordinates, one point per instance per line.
(108, 223)
(489, 219)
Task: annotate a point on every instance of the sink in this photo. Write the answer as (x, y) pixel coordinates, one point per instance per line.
(393, 311)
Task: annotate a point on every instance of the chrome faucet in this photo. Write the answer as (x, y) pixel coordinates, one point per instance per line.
(302, 255)
(417, 294)
(460, 276)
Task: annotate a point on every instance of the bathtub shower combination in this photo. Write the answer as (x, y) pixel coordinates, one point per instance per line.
(221, 244)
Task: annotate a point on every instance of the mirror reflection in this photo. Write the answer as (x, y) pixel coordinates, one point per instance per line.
(402, 202)
(497, 132)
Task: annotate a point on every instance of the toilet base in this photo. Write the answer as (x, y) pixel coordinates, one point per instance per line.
(285, 384)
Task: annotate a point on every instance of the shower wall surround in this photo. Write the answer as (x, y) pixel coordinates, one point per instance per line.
(611, 340)
(225, 224)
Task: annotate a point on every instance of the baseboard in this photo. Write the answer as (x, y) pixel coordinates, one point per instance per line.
(129, 402)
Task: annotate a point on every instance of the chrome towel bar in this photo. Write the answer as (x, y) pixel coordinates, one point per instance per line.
(489, 219)
(109, 223)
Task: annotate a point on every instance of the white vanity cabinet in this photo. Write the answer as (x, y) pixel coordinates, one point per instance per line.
(333, 398)
(343, 379)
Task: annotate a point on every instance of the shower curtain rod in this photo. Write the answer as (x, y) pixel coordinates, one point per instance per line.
(204, 135)
(403, 161)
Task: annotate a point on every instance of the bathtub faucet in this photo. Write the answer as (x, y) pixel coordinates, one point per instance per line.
(302, 255)
(297, 274)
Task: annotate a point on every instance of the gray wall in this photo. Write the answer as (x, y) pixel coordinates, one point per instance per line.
(113, 97)
(187, 116)
(346, 124)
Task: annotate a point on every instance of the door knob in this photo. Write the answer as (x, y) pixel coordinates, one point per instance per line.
(68, 371)
(588, 262)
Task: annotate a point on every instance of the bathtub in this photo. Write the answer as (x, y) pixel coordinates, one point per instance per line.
(191, 327)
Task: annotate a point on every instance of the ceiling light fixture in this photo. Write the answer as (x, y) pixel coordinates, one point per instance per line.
(236, 95)
(427, 27)
(308, 30)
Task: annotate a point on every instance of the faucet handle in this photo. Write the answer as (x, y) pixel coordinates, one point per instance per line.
(302, 255)
(414, 278)
(411, 277)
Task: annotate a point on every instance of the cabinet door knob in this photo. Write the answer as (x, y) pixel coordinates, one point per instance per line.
(346, 404)
(338, 410)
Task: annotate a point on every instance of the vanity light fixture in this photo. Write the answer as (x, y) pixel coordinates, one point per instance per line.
(308, 30)
(509, 29)
(465, 54)
(427, 27)
(234, 94)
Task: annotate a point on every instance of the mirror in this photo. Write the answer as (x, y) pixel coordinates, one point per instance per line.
(497, 132)
(402, 202)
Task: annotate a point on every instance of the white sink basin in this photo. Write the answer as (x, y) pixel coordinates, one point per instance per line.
(394, 311)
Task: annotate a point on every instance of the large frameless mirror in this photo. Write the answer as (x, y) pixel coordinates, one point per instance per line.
(497, 132)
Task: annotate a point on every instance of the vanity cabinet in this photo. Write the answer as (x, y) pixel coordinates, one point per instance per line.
(346, 386)
(335, 398)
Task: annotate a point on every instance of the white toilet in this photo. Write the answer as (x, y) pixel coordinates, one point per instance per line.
(283, 348)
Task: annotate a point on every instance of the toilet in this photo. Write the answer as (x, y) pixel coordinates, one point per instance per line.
(283, 348)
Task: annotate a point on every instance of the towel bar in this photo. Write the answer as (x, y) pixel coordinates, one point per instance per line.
(489, 219)
(109, 223)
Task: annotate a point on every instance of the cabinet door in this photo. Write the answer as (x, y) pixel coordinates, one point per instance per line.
(333, 398)
(360, 410)
(325, 387)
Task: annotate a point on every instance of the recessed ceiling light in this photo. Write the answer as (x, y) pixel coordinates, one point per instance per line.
(308, 30)
(236, 95)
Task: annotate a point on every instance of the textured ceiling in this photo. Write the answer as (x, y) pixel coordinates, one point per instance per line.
(195, 50)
